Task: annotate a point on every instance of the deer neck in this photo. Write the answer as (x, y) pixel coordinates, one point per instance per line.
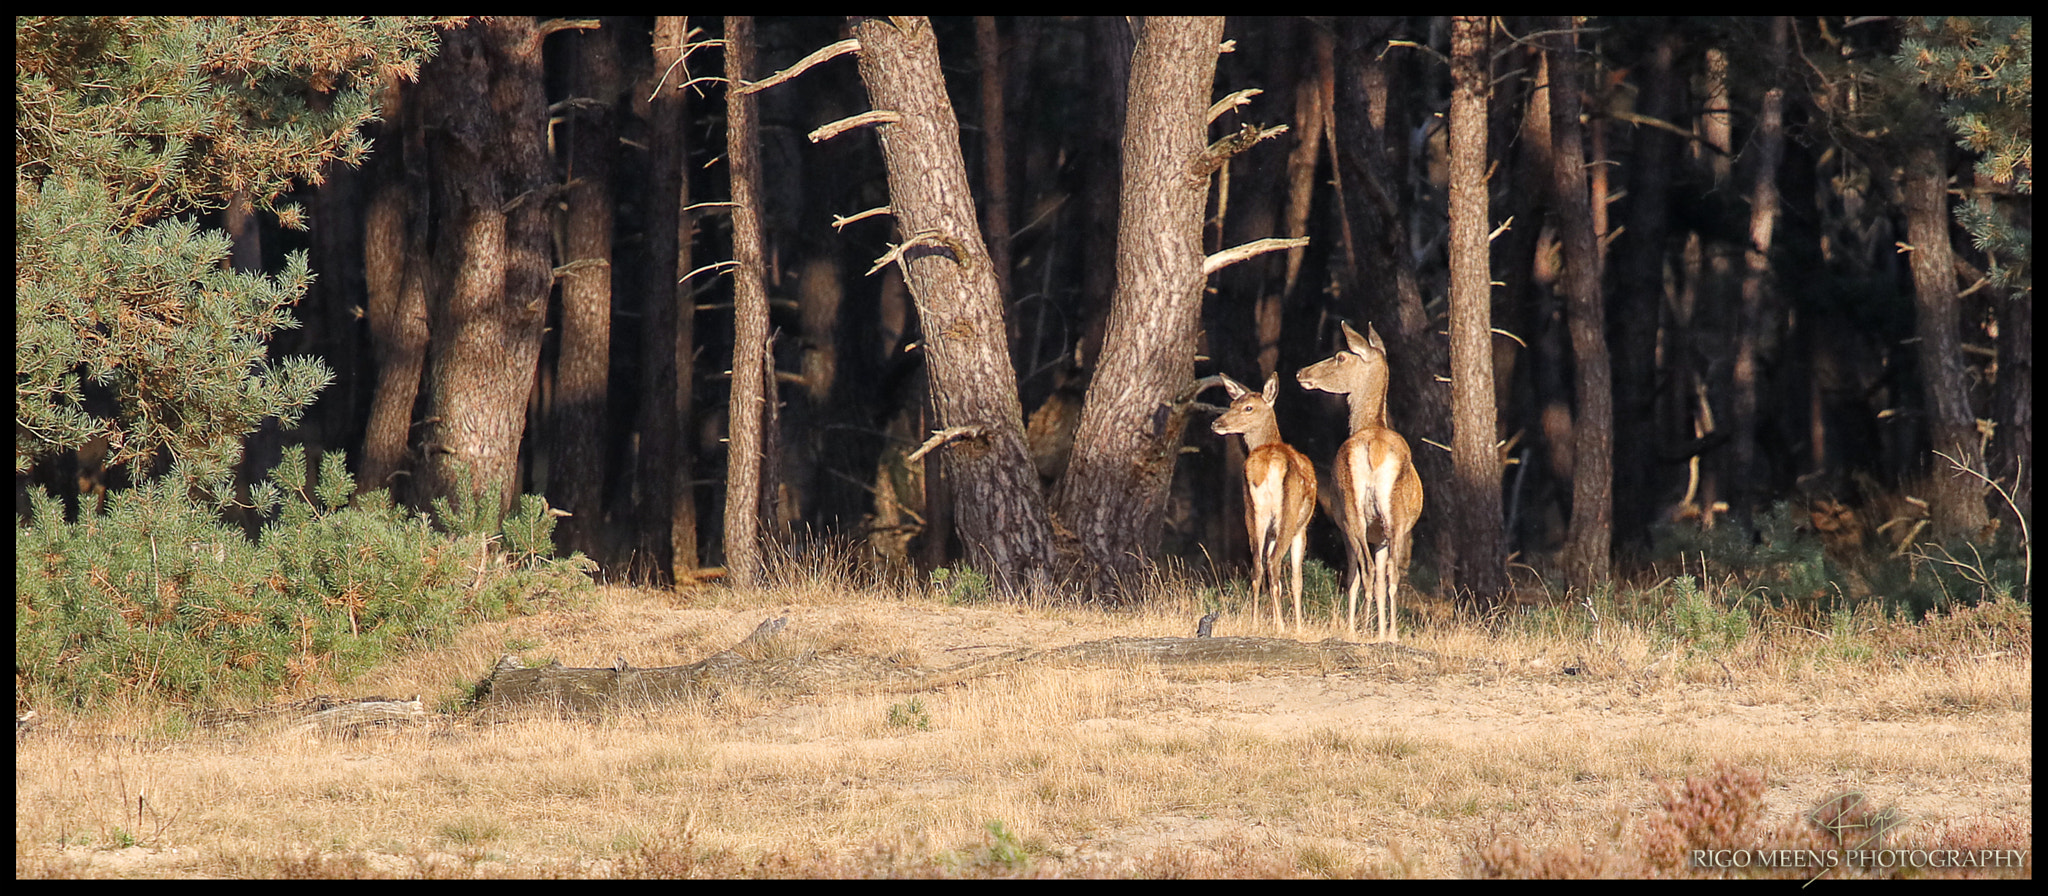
(1260, 434)
(1368, 410)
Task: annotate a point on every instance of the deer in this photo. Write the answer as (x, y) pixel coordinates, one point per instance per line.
(1279, 491)
(1378, 488)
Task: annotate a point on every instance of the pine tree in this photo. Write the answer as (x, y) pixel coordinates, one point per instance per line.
(1984, 68)
(129, 325)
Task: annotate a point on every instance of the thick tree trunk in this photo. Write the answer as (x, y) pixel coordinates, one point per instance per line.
(666, 462)
(1113, 495)
(1586, 558)
(750, 312)
(1475, 504)
(1951, 426)
(577, 461)
(489, 126)
(998, 510)
(394, 273)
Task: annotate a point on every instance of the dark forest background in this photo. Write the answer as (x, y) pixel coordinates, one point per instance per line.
(1763, 194)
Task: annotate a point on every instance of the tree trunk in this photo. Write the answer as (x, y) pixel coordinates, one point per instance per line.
(2013, 446)
(750, 313)
(394, 272)
(489, 127)
(1475, 504)
(1951, 426)
(577, 461)
(1639, 300)
(995, 157)
(1746, 488)
(667, 458)
(1113, 495)
(1586, 558)
(1382, 280)
(998, 510)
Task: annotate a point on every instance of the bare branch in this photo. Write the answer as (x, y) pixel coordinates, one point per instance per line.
(1223, 149)
(841, 48)
(943, 436)
(1235, 254)
(553, 25)
(1233, 101)
(716, 265)
(840, 223)
(872, 116)
(920, 238)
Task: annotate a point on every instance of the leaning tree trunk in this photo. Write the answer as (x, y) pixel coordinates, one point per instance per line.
(1113, 495)
(1951, 427)
(1475, 507)
(492, 256)
(750, 313)
(1586, 552)
(998, 510)
(577, 461)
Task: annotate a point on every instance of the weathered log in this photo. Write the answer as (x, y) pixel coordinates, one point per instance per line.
(322, 714)
(752, 665)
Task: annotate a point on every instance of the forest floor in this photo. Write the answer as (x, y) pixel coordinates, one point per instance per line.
(1539, 745)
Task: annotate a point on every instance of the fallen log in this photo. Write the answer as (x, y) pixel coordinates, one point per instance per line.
(755, 664)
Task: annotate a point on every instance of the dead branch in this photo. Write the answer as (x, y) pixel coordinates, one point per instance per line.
(941, 437)
(1233, 101)
(1223, 149)
(1235, 254)
(841, 48)
(839, 222)
(920, 238)
(872, 116)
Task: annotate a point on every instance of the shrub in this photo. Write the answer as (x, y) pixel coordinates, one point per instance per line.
(159, 597)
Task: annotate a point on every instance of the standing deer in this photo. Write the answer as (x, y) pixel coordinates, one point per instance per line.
(1378, 488)
(1279, 491)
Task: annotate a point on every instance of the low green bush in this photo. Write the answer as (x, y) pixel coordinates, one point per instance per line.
(158, 597)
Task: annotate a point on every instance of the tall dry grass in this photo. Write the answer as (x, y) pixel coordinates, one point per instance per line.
(1552, 750)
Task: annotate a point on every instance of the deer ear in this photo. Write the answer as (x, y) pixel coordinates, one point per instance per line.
(1233, 387)
(1354, 341)
(1272, 387)
(1372, 338)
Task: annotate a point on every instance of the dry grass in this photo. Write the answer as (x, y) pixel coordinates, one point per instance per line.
(1560, 757)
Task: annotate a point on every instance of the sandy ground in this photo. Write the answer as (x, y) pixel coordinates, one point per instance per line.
(1526, 700)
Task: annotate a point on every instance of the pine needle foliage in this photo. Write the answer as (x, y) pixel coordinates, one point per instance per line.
(153, 599)
(129, 326)
(1983, 67)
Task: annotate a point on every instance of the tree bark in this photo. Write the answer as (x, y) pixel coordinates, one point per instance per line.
(995, 152)
(1000, 516)
(582, 372)
(1747, 488)
(394, 261)
(1958, 509)
(1639, 300)
(750, 313)
(1381, 281)
(667, 458)
(1476, 502)
(1113, 495)
(1587, 558)
(488, 125)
